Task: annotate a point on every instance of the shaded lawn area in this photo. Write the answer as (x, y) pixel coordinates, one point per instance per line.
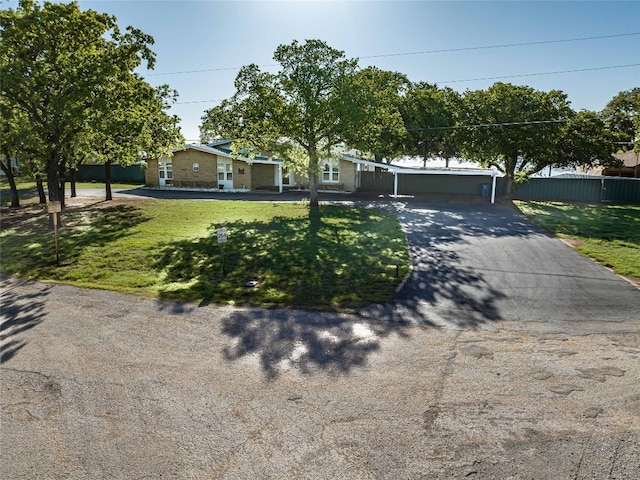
(331, 257)
(610, 234)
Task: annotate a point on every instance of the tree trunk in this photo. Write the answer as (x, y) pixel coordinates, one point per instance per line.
(508, 186)
(15, 199)
(42, 197)
(73, 184)
(107, 180)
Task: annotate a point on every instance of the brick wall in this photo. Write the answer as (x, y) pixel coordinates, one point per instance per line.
(151, 173)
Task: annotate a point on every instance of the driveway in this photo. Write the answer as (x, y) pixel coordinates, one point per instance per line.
(102, 385)
(479, 265)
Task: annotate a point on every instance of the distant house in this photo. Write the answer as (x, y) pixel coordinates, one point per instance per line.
(214, 167)
(630, 167)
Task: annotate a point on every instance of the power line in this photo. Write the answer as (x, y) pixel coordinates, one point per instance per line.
(487, 47)
(481, 78)
(542, 73)
(424, 52)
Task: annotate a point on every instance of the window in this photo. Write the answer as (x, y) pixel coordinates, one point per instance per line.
(330, 171)
(196, 167)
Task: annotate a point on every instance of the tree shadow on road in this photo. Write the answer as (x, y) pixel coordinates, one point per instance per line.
(20, 312)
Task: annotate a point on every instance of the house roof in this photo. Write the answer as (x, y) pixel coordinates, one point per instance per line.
(630, 158)
(225, 152)
(422, 171)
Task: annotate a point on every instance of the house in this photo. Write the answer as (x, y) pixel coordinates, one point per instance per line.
(630, 167)
(215, 168)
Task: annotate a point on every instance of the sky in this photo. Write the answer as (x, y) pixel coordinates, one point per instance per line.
(437, 42)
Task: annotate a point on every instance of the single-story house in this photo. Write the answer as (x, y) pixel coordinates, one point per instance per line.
(214, 167)
(630, 167)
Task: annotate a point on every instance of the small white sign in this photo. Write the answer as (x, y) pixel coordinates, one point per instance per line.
(54, 207)
(222, 235)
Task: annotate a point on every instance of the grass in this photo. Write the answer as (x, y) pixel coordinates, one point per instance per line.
(332, 257)
(610, 234)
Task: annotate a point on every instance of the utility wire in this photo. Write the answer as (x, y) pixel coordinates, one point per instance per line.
(481, 78)
(542, 73)
(424, 52)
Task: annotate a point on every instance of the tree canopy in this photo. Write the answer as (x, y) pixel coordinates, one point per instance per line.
(299, 113)
(622, 115)
(66, 74)
(429, 114)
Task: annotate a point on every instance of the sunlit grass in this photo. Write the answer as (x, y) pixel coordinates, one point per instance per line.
(331, 257)
(610, 234)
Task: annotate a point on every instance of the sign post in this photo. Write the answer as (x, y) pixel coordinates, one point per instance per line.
(222, 239)
(55, 208)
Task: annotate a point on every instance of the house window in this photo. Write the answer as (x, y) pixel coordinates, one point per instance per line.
(196, 167)
(330, 171)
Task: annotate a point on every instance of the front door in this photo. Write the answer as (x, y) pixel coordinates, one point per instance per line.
(165, 172)
(225, 173)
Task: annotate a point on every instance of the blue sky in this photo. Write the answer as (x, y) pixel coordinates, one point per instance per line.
(201, 35)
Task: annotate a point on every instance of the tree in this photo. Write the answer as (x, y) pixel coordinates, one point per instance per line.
(622, 115)
(137, 126)
(584, 140)
(57, 63)
(429, 114)
(512, 128)
(375, 96)
(298, 114)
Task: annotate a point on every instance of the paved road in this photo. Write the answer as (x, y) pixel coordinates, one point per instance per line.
(102, 385)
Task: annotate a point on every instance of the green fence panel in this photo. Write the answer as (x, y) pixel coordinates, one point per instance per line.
(91, 173)
(597, 189)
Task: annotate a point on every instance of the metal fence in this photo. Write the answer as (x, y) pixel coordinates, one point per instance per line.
(595, 189)
(131, 174)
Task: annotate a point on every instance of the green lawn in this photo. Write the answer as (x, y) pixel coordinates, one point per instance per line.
(610, 234)
(334, 257)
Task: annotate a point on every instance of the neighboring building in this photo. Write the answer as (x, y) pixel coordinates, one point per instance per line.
(629, 169)
(214, 167)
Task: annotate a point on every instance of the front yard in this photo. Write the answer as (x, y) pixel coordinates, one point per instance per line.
(276, 254)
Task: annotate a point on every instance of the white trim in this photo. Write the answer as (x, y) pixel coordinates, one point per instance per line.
(215, 151)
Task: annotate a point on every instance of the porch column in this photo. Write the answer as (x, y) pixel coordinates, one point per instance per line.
(279, 166)
(493, 189)
(395, 184)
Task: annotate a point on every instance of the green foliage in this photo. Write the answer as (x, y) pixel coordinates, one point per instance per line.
(373, 99)
(429, 113)
(622, 115)
(610, 234)
(68, 85)
(520, 131)
(327, 257)
(297, 114)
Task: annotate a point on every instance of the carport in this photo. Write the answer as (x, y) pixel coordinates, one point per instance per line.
(396, 171)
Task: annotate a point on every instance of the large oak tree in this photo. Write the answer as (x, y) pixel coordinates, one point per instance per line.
(299, 113)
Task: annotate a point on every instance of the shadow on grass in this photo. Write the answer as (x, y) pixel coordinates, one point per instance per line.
(20, 312)
(335, 257)
(29, 249)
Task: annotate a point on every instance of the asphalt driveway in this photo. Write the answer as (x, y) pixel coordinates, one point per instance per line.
(477, 265)
(96, 384)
